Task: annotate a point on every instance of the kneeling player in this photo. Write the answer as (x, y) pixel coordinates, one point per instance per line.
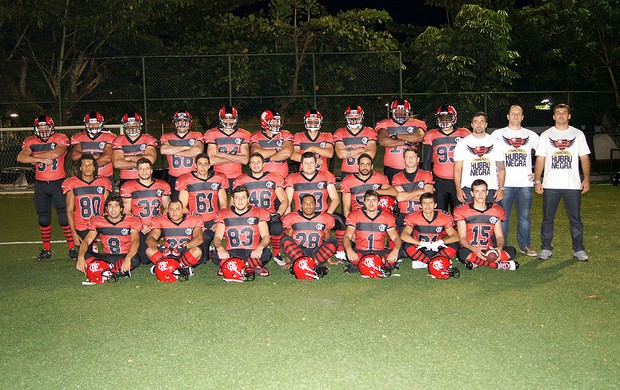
(308, 233)
(246, 231)
(182, 237)
(119, 235)
(428, 233)
(479, 225)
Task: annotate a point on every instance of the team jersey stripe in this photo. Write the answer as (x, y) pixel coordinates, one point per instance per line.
(309, 186)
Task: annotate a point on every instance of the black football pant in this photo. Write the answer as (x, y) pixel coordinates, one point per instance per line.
(46, 194)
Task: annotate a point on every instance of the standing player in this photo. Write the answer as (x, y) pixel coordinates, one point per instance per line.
(227, 146)
(396, 134)
(132, 146)
(353, 187)
(273, 143)
(367, 230)
(46, 150)
(96, 142)
(411, 184)
(429, 232)
(439, 147)
(85, 195)
(313, 140)
(518, 144)
(246, 231)
(181, 148)
(479, 225)
(321, 185)
(479, 157)
(119, 237)
(308, 233)
(560, 151)
(354, 140)
(266, 190)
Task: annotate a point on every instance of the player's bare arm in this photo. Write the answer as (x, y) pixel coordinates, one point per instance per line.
(346, 243)
(462, 230)
(88, 240)
(217, 241)
(334, 199)
(263, 228)
(384, 139)
(133, 250)
(285, 153)
(281, 194)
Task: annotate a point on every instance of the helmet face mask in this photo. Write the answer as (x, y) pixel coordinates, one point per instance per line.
(93, 122)
(132, 124)
(182, 122)
(446, 116)
(354, 116)
(271, 121)
(228, 118)
(313, 120)
(400, 111)
(44, 127)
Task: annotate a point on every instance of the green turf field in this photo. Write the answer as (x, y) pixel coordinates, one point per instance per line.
(549, 325)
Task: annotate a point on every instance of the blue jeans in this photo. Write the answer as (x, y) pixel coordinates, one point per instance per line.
(522, 196)
(572, 203)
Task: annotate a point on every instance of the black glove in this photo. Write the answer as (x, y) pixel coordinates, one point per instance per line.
(275, 217)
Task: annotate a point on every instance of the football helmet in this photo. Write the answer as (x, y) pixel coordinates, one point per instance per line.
(169, 270)
(271, 120)
(228, 117)
(388, 204)
(181, 117)
(446, 116)
(99, 272)
(43, 121)
(234, 270)
(93, 121)
(440, 267)
(400, 110)
(313, 120)
(132, 123)
(354, 115)
(306, 268)
(372, 266)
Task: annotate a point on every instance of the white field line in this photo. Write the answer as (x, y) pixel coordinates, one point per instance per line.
(28, 242)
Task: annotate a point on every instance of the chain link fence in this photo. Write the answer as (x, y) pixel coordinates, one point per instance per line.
(156, 87)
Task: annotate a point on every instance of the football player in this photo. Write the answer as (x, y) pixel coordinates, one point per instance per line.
(273, 143)
(439, 147)
(354, 140)
(396, 134)
(410, 184)
(132, 146)
(46, 150)
(479, 224)
(181, 148)
(94, 140)
(313, 140)
(227, 145)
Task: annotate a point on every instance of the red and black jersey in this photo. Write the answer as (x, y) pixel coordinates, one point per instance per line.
(304, 141)
(203, 194)
(350, 140)
(88, 198)
(178, 165)
(274, 142)
(227, 143)
(174, 234)
(370, 233)
(308, 232)
(480, 224)
(131, 147)
(315, 186)
(429, 230)
(411, 182)
(115, 237)
(262, 189)
(95, 146)
(43, 171)
(241, 230)
(357, 187)
(443, 150)
(393, 156)
(146, 201)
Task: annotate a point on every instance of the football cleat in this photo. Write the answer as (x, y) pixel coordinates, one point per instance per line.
(510, 265)
(417, 264)
(279, 261)
(350, 268)
(44, 255)
(73, 254)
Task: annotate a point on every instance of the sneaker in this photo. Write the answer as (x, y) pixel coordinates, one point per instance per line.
(581, 255)
(126, 274)
(416, 264)
(529, 251)
(44, 255)
(469, 265)
(279, 261)
(261, 271)
(73, 254)
(341, 255)
(507, 265)
(545, 254)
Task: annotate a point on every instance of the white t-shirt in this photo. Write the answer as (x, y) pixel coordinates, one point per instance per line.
(562, 149)
(517, 147)
(479, 156)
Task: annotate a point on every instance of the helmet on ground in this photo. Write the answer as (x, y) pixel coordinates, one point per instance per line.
(305, 268)
(440, 267)
(372, 266)
(99, 271)
(234, 270)
(167, 270)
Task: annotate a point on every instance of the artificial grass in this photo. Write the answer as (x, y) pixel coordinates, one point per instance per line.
(549, 324)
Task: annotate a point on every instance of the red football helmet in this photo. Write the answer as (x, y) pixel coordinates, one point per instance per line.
(132, 123)
(305, 268)
(234, 270)
(99, 271)
(93, 121)
(228, 117)
(400, 110)
(372, 266)
(170, 270)
(182, 120)
(440, 267)
(313, 120)
(446, 116)
(43, 127)
(271, 120)
(388, 204)
(354, 115)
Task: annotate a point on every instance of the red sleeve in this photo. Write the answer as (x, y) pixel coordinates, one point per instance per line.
(181, 183)
(125, 191)
(66, 185)
(117, 144)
